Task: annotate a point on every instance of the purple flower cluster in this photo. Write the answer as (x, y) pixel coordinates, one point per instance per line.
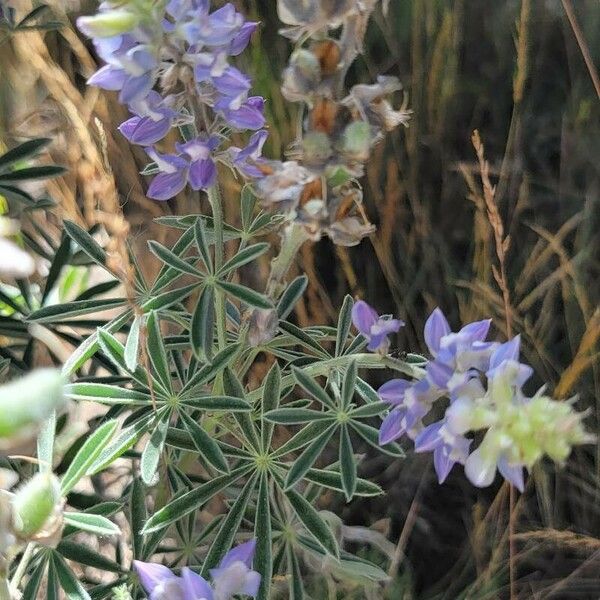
(455, 371)
(234, 576)
(482, 381)
(182, 49)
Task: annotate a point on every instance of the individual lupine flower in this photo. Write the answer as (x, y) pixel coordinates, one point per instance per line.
(250, 114)
(283, 184)
(373, 327)
(153, 119)
(194, 165)
(248, 160)
(234, 576)
(371, 104)
(455, 354)
(159, 582)
(410, 402)
(448, 448)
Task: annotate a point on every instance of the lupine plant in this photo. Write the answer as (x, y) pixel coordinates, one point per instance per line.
(224, 474)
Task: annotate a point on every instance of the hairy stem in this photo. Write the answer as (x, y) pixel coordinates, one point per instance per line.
(21, 569)
(214, 197)
(291, 241)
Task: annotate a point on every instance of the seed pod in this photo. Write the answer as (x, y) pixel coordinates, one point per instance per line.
(35, 504)
(26, 402)
(108, 24)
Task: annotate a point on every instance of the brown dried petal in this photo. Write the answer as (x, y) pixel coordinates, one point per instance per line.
(349, 231)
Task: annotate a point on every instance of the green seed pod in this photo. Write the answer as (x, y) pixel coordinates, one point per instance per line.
(35, 504)
(357, 141)
(317, 147)
(108, 24)
(26, 402)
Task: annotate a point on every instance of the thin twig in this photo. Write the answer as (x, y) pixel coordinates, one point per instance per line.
(585, 51)
(502, 244)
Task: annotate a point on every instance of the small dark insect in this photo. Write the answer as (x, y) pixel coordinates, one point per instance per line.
(398, 354)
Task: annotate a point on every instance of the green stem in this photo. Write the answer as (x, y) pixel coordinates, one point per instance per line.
(22, 568)
(214, 197)
(4, 589)
(363, 361)
(291, 242)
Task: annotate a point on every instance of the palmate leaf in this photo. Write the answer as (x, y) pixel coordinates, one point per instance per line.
(312, 387)
(296, 416)
(269, 403)
(137, 516)
(243, 257)
(349, 385)
(332, 480)
(86, 242)
(313, 522)
(87, 455)
(68, 310)
(205, 444)
(84, 555)
(154, 448)
(157, 352)
(296, 587)
(209, 372)
(192, 500)
(202, 244)
(35, 579)
(229, 527)
(302, 338)
(347, 463)
(343, 325)
(202, 325)
(263, 558)
(132, 344)
(291, 295)
(245, 294)
(173, 261)
(23, 151)
(91, 523)
(107, 394)
(120, 444)
(68, 580)
(307, 459)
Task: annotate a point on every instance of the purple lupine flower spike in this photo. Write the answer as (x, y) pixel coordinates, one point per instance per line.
(373, 327)
(150, 49)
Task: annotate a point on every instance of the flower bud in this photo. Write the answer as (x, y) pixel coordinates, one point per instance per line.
(317, 147)
(26, 402)
(357, 140)
(35, 504)
(263, 326)
(108, 24)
